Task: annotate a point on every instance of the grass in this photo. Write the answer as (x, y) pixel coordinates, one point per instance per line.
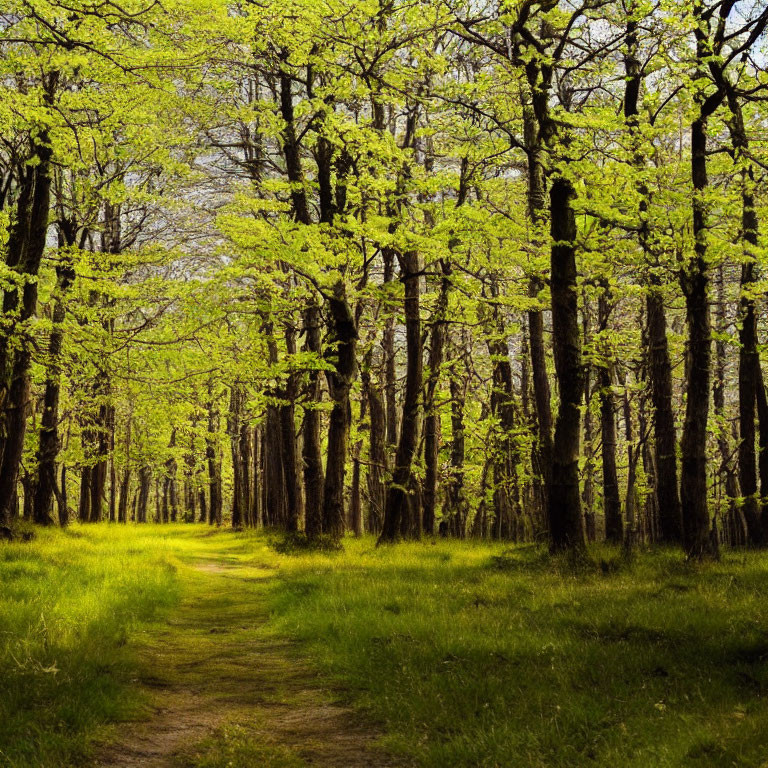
(69, 602)
(469, 654)
(476, 656)
(236, 746)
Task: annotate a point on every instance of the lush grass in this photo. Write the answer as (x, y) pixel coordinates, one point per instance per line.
(476, 657)
(468, 654)
(69, 602)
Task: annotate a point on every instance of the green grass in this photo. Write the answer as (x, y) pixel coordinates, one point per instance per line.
(69, 603)
(237, 746)
(474, 656)
(468, 654)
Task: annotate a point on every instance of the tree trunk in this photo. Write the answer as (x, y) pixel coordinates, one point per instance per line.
(665, 440)
(537, 203)
(84, 508)
(377, 450)
(145, 482)
(566, 528)
(290, 456)
(726, 468)
(588, 493)
(456, 502)
(274, 485)
(343, 343)
(356, 506)
(48, 449)
(24, 249)
(239, 459)
(432, 428)
(125, 488)
(695, 284)
(388, 347)
(257, 513)
(396, 510)
(214, 477)
(61, 501)
(112, 470)
(314, 479)
(750, 373)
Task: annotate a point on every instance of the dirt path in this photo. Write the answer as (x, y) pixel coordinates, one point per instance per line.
(224, 694)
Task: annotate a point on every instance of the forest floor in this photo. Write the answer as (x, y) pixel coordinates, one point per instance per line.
(184, 647)
(225, 694)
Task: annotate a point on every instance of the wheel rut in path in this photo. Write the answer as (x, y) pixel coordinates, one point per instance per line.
(213, 676)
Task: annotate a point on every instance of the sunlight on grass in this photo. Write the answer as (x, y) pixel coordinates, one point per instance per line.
(70, 603)
(469, 654)
(477, 656)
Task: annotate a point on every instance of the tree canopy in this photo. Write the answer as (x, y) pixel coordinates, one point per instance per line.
(409, 267)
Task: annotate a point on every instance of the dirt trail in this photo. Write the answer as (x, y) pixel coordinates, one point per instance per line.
(212, 674)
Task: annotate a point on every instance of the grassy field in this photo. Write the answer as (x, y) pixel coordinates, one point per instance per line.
(468, 654)
(69, 602)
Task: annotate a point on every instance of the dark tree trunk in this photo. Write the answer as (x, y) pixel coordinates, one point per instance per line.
(238, 442)
(314, 479)
(211, 455)
(257, 516)
(125, 490)
(588, 493)
(356, 505)
(455, 498)
(541, 393)
(537, 205)
(98, 488)
(170, 494)
(388, 347)
(396, 512)
(145, 484)
(245, 462)
(695, 284)
(432, 430)
(203, 506)
(665, 440)
(343, 344)
(48, 449)
(762, 440)
(377, 451)
(750, 373)
(24, 252)
(566, 528)
(311, 455)
(84, 508)
(503, 409)
(112, 469)
(99, 469)
(726, 469)
(61, 501)
(633, 456)
(27, 485)
(274, 485)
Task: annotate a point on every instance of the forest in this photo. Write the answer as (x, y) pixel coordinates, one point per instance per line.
(398, 267)
(481, 279)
